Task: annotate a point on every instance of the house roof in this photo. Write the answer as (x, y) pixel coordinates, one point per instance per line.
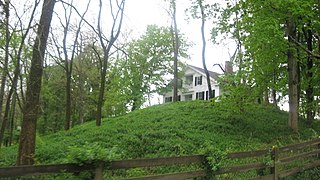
(212, 74)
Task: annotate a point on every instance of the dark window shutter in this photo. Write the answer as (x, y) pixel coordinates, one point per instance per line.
(200, 81)
(207, 94)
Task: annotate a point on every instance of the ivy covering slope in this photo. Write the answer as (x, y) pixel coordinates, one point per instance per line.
(182, 128)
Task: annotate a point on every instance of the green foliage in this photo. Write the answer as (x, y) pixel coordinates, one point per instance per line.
(215, 156)
(8, 156)
(171, 129)
(52, 100)
(312, 174)
(130, 79)
(90, 153)
(210, 10)
(149, 63)
(259, 28)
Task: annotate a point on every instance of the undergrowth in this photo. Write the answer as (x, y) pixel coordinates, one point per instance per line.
(172, 129)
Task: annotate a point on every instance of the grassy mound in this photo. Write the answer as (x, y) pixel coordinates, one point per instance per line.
(171, 129)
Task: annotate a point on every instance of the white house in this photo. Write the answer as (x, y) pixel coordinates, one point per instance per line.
(194, 85)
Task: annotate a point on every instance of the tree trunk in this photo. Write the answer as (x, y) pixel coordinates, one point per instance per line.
(31, 106)
(5, 121)
(117, 23)
(293, 77)
(274, 98)
(309, 91)
(176, 51)
(6, 58)
(13, 88)
(73, 122)
(12, 118)
(68, 75)
(68, 101)
(274, 92)
(69, 66)
(204, 50)
(102, 88)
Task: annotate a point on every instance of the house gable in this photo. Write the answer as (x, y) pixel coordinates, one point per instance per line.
(194, 85)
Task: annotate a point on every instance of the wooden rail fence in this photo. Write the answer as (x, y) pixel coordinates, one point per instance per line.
(272, 163)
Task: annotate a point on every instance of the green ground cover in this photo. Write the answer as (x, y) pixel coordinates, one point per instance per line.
(172, 129)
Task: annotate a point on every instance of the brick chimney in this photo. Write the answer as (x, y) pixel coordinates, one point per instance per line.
(228, 67)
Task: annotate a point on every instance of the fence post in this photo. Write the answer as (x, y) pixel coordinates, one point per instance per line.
(99, 171)
(210, 175)
(274, 158)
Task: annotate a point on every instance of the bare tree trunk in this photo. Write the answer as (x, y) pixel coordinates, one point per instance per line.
(5, 122)
(204, 49)
(293, 77)
(115, 32)
(73, 122)
(309, 91)
(69, 63)
(175, 41)
(68, 69)
(274, 92)
(12, 118)
(6, 58)
(31, 106)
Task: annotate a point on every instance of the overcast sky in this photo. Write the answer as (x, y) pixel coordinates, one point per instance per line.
(140, 13)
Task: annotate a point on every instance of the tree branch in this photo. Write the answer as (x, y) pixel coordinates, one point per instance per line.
(91, 26)
(317, 56)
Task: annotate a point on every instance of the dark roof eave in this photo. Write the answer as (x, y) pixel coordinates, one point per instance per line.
(212, 74)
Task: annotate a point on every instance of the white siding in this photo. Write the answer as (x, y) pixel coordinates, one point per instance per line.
(191, 88)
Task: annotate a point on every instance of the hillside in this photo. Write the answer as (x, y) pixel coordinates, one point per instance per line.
(182, 128)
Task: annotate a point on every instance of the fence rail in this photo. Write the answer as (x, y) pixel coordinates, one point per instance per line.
(307, 152)
(136, 163)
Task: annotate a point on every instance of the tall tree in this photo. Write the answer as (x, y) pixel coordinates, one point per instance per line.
(309, 90)
(205, 13)
(203, 19)
(117, 17)
(149, 62)
(271, 32)
(68, 62)
(86, 85)
(31, 106)
(3, 122)
(175, 45)
(67, 67)
(293, 76)
(16, 73)
(6, 7)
